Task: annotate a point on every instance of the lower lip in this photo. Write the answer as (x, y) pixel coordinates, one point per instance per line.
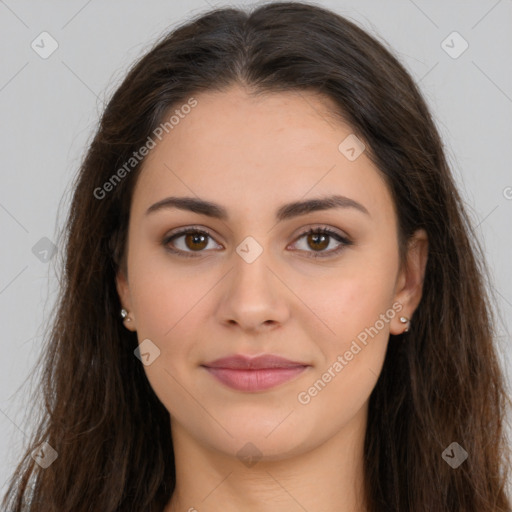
(255, 380)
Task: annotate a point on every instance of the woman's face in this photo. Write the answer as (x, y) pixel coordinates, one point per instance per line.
(252, 286)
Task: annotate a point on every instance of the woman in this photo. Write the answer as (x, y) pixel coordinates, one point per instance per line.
(271, 296)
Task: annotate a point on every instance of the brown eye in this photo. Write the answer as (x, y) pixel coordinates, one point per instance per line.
(193, 241)
(189, 241)
(318, 239)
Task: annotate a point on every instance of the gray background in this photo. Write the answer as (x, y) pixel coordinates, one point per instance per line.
(50, 108)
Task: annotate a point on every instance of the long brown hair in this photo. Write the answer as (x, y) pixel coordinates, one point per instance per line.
(441, 382)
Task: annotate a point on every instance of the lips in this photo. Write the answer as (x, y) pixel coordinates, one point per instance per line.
(241, 362)
(253, 374)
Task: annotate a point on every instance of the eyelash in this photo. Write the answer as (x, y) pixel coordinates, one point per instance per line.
(317, 230)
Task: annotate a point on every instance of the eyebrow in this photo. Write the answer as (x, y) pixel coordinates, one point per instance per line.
(285, 212)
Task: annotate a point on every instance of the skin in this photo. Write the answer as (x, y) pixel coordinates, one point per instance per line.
(197, 309)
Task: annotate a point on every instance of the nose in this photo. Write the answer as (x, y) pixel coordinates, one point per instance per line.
(254, 297)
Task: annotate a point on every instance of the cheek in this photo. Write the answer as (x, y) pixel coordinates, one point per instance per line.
(352, 357)
(353, 299)
(166, 307)
(361, 323)
(162, 293)
(357, 308)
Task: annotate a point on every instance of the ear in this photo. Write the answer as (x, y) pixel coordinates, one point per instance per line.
(123, 290)
(409, 286)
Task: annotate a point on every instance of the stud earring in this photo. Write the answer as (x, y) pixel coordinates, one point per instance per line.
(124, 315)
(404, 320)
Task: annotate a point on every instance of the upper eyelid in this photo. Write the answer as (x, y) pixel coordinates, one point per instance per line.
(188, 229)
(302, 231)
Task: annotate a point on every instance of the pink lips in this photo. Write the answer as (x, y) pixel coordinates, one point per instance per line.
(254, 373)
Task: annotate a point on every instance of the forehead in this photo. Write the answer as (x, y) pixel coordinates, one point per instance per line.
(248, 152)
